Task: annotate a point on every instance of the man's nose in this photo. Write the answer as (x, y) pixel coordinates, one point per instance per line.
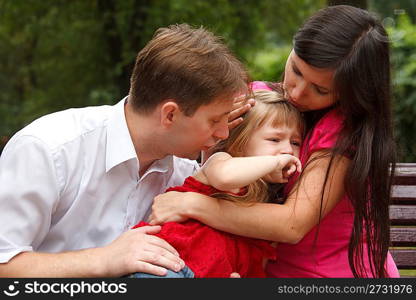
(222, 132)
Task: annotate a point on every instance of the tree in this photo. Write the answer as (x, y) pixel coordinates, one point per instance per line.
(57, 54)
(404, 73)
(394, 9)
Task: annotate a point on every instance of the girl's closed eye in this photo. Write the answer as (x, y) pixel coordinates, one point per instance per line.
(276, 140)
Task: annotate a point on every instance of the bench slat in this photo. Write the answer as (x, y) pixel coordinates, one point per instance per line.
(404, 258)
(404, 180)
(405, 174)
(403, 215)
(404, 194)
(403, 236)
(403, 212)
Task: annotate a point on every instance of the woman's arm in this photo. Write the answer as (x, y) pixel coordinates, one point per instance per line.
(227, 173)
(288, 222)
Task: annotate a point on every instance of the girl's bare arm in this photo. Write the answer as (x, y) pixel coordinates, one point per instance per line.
(288, 222)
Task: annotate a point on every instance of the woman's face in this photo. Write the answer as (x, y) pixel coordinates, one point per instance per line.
(307, 87)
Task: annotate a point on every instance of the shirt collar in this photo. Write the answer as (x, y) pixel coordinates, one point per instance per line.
(162, 165)
(120, 147)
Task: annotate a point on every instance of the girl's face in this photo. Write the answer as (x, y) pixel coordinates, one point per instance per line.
(307, 87)
(269, 140)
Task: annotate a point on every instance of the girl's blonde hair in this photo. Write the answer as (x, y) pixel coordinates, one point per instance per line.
(271, 106)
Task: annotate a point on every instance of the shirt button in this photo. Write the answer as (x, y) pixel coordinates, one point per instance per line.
(127, 226)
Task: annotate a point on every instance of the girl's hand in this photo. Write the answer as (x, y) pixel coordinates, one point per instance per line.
(241, 106)
(286, 166)
(168, 207)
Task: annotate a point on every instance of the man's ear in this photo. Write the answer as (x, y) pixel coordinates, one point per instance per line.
(169, 113)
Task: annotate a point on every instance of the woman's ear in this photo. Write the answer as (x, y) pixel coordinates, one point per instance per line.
(169, 113)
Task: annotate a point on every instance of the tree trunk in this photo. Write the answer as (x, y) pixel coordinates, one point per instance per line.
(116, 44)
(107, 11)
(357, 3)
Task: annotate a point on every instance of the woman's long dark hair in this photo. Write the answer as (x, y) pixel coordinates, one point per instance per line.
(352, 42)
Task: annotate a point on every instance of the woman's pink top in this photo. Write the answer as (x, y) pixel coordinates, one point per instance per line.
(327, 256)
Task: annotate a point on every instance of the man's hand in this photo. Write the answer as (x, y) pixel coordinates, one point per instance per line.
(138, 250)
(240, 107)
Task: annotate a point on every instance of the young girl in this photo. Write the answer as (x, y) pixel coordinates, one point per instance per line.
(259, 153)
(335, 220)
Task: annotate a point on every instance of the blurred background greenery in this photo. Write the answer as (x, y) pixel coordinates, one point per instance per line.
(56, 54)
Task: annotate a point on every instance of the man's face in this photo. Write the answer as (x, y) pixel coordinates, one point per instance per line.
(202, 130)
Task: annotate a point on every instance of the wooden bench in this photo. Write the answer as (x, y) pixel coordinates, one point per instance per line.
(403, 219)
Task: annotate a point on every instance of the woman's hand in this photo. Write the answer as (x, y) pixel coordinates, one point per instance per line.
(168, 207)
(179, 207)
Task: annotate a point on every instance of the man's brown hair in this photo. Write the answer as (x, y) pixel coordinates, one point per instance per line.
(189, 65)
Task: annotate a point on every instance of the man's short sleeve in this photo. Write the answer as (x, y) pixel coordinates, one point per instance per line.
(28, 194)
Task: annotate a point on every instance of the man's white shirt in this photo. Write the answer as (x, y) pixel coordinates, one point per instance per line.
(70, 180)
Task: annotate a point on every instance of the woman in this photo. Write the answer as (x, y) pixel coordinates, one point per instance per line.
(335, 220)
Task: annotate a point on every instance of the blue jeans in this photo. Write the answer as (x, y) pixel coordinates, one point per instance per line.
(184, 273)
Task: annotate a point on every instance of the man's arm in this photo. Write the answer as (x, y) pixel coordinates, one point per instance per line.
(29, 193)
(136, 250)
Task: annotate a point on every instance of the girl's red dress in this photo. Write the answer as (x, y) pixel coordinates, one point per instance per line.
(210, 252)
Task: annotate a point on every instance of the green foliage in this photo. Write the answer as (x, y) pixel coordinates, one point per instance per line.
(269, 64)
(57, 54)
(392, 9)
(404, 70)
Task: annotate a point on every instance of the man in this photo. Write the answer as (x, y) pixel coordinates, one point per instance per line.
(73, 183)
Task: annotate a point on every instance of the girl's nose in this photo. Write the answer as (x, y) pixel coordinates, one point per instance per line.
(286, 148)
